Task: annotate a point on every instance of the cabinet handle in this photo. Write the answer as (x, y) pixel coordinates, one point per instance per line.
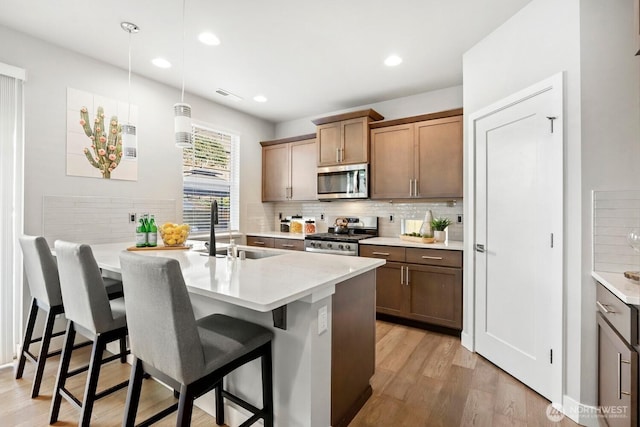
(402, 274)
(431, 257)
(342, 155)
(380, 253)
(407, 276)
(620, 362)
(604, 308)
(410, 188)
(337, 155)
(258, 242)
(285, 245)
(415, 188)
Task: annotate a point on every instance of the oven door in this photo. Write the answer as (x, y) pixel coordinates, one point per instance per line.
(343, 182)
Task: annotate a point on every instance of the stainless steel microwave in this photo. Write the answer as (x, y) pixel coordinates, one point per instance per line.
(343, 182)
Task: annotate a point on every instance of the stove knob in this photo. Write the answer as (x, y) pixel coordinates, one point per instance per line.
(347, 247)
(341, 247)
(329, 245)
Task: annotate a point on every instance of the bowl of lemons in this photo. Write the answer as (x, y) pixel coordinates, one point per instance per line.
(174, 234)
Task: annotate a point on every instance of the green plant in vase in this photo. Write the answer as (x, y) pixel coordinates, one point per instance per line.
(106, 145)
(439, 225)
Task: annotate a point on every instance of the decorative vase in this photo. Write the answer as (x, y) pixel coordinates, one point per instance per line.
(440, 236)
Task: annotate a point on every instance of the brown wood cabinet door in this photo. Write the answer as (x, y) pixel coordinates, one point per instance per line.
(263, 242)
(435, 295)
(290, 244)
(275, 172)
(617, 377)
(392, 162)
(355, 141)
(303, 170)
(439, 157)
(390, 290)
(329, 144)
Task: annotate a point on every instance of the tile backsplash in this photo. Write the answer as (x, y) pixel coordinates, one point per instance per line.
(99, 219)
(615, 214)
(383, 210)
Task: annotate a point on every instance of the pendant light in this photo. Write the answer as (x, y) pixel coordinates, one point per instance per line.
(129, 138)
(182, 111)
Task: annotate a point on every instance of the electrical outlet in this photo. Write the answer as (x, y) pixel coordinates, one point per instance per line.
(279, 215)
(321, 217)
(391, 218)
(132, 218)
(322, 320)
(459, 219)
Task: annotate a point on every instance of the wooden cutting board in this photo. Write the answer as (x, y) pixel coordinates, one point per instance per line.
(633, 275)
(159, 248)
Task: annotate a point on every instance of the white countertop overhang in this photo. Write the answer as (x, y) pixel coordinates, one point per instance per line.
(626, 289)
(259, 284)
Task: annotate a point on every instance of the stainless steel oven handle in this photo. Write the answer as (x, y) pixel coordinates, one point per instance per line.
(330, 251)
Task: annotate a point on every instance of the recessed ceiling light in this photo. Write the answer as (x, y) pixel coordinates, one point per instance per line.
(260, 98)
(209, 39)
(161, 63)
(392, 61)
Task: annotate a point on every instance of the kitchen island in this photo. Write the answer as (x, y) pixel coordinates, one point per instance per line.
(321, 364)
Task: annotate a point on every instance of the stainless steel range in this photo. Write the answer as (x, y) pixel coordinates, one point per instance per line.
(343, 237)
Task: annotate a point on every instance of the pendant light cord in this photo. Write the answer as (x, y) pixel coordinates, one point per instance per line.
(183, 37)
(129, 85)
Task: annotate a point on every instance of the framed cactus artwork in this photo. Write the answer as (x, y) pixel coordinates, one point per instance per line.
(94, 137)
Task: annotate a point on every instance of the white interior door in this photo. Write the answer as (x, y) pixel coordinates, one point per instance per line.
(518, 267)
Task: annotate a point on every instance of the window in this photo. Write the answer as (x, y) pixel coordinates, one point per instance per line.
(11, 212)
(210, 171)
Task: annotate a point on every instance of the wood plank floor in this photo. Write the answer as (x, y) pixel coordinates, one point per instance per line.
(428, 379)
(422, 379)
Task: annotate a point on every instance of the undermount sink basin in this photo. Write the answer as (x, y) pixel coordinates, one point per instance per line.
(248, 254)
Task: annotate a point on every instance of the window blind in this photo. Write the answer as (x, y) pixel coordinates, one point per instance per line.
(210, 172)
(11, 211)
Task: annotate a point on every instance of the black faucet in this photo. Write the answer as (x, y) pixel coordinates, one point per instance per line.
(212, 233)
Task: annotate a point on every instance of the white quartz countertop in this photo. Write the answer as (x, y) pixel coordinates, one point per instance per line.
(258, 284)
(626, 289)
(277, 235)
(452, 245)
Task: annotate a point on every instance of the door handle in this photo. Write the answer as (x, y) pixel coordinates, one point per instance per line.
(402, 274)
(479, 248)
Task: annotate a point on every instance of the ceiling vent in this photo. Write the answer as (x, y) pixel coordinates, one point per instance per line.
(228, 94)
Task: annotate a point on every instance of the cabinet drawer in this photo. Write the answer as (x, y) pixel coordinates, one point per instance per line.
(290, 244)
(622, 317)
(265, 242)
(390, 253)
(438, 257)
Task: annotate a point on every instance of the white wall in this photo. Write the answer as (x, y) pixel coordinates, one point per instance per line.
(538, 42)
(50, 70)
(414, 105)
(610, 90)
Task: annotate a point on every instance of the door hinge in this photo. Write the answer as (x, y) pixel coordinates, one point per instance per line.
(551, 119)
(552, 240)
(551, 356)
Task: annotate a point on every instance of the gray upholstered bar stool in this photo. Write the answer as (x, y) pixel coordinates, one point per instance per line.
(192, 356)
(44, 285)
(90, 313)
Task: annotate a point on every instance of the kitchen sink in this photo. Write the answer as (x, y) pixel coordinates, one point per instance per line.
(249, 254)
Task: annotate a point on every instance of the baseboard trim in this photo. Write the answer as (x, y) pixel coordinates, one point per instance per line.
(467, 341)
(585, 415)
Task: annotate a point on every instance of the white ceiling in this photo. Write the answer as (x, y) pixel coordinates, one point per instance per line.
(306, 57)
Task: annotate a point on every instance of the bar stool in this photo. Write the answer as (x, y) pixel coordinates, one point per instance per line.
(191, 356)
(93, 315)
(44, 286)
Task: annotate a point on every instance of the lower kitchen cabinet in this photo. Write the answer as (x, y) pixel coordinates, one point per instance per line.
(428, 289)
(617, 360)
(275, 242)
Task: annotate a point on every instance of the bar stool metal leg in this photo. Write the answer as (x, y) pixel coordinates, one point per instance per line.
(267, 387)
(63, 371)
(44, 352)
(185, 406)
(28, 336)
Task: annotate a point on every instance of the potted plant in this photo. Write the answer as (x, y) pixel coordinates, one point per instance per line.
(439, 225)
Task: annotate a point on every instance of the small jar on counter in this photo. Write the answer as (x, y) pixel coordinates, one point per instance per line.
(285, 225)
(309, 226)
(296, 224)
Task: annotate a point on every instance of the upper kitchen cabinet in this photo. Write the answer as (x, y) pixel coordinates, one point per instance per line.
(344, 139)
(289, 169)
(417, 157)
